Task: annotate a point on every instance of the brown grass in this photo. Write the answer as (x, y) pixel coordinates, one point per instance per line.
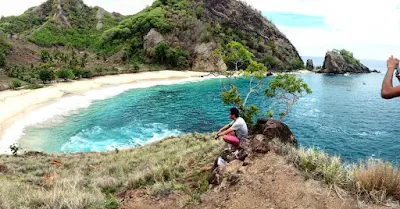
(90, 180)
(374, 180)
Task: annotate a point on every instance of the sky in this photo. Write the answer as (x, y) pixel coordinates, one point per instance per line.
(370, 29)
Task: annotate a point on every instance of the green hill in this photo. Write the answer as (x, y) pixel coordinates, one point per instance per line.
(60, 22)
(195, 29)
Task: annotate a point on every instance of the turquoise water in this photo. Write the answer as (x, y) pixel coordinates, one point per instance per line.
(345, 115)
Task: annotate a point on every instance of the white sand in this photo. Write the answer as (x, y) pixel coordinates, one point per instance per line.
(15, 105)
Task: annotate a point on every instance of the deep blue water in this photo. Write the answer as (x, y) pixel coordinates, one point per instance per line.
(345, 115)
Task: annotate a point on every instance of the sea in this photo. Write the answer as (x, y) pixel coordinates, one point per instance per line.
(345, 115)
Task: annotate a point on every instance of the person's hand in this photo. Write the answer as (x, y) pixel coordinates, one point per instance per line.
(392, 63)
(217, 136)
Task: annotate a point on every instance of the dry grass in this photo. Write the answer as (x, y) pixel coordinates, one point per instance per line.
(90, 180)
(374, 180)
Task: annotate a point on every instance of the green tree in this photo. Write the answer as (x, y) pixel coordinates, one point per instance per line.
(65, 74)
(255, 72)
(287, 89)
(45, 56)
(237, 55)
(46, 75)
(160, 52)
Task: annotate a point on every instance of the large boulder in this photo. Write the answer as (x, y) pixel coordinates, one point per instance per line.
(309, 64)
(273, 129)
(206, 61)
(151, 40)
(335, 63)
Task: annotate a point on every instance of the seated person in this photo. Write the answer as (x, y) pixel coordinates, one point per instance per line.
(235, 131)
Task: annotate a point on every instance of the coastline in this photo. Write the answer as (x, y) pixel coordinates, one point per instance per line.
(17, 105)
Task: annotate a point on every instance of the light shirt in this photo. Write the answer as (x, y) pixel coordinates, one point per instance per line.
(240, 128)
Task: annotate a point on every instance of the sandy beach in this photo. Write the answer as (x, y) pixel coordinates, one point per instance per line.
(15, 105)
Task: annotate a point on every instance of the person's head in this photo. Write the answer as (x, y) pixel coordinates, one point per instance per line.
(234, 113)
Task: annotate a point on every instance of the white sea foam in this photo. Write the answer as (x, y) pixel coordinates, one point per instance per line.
(68, 105)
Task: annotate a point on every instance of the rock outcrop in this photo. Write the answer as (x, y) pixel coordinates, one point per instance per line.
(309, 64)
(259, 143)
(151, 40)
(206, 61)
(336, 63)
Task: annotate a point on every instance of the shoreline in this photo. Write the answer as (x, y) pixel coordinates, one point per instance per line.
(20, 104)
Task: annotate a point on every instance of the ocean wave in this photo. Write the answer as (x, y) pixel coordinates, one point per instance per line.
(70, 105)
(98, 139)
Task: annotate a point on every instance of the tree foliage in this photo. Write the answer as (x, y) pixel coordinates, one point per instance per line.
(255, 71)
(287, 89)
(45, 56)
(237, 56)
(65, 74)
(348, 56)
(46, 75)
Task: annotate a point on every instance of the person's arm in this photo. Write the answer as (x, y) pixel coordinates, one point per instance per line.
(225, 128)
(388, 91)
(224, 132)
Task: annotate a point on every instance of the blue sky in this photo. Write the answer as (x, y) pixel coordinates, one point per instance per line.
(370, 29)
(289, 19)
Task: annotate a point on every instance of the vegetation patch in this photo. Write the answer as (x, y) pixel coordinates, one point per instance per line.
(89, 180)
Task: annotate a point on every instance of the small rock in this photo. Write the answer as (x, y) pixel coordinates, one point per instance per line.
(233, 179)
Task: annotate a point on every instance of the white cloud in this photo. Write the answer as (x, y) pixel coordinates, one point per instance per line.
(370, 29)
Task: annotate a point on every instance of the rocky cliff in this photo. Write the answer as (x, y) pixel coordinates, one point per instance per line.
(341, 62)
(200, 28)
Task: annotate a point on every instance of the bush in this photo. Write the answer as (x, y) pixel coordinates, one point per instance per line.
(135, 67)
(99, 70)
(87, 74)
(14, 149)
(2, 60)
(15, 84)
(174, 57)
(46, 75)
(65, 74)
(77, 72)
(111, 203)
(45, 56)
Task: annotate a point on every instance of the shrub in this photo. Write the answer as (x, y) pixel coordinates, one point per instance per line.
(46, 75)
(174, 57)
(87, 74)
(45, 56)
(15, 84)
(111, 203)
(2, 60)
(99, 70)
(65, 74)
(14, 149)
(77, 72)
(135, 67)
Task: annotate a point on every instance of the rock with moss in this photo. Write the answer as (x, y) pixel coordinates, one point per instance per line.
(341, 62)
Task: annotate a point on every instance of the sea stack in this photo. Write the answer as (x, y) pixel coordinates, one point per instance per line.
(341, 62)
(310, 64)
